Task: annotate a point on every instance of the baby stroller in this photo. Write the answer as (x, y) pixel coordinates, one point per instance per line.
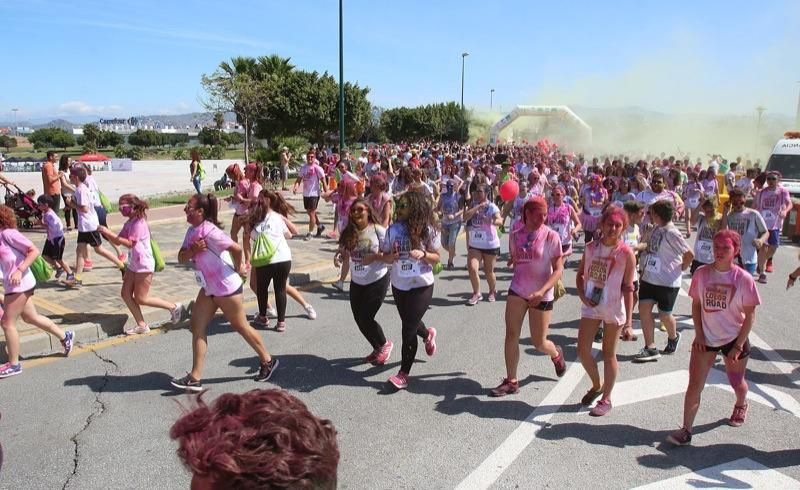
(25, 208)
(273, 176)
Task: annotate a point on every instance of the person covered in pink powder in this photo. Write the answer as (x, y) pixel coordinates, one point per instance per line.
(605, 287)
(218, 270)
(594, 197)
(724, 300)
(138, 274)
(344, 196)
(538, 265)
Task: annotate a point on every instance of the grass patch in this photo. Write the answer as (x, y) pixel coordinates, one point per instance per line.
(172, 199)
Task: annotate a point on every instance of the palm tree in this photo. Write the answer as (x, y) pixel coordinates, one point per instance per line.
(274, 65)
(240, 65)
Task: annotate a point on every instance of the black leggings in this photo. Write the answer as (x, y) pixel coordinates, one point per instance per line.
(279, 274)
(70, 212)
(412, 305)
(365, 301)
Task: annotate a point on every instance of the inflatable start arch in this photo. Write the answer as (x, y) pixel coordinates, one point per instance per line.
(554, 111)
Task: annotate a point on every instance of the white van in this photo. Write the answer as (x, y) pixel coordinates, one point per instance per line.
(785, 159)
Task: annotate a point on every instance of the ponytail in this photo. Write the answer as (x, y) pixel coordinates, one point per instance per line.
(208, 203)
(139, 206)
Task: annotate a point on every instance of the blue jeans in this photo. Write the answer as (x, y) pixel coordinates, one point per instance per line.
(196, 183)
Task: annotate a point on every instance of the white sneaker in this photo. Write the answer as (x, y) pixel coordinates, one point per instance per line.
(339, 285)
(310, 313)
(176, 313)
(272, 312)
(138, 330)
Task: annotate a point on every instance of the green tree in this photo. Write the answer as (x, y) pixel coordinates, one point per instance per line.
(210, 136)
(51, 138)
(145, 138)
(233, 139)
(89, 147)
(109, 139)
(120, 151)
(8, 142)
(219, 120)
(92, 134)
(273, 66)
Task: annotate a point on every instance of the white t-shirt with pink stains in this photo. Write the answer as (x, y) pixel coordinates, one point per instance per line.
(214, 270)
(723, 297)
(533, 254)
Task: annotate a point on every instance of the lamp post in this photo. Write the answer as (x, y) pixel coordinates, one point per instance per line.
(760, 110)
(797, 117)
(15, 120)
(463, 56)
(341, 83)
(491, 98)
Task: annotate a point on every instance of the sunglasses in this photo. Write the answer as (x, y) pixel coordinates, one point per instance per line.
(772, 178)
(187, 209)
(402, 205)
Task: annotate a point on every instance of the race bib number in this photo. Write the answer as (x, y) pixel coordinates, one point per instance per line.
(558, 228)
(479, 238)
(360, 270)
(653, 264)
(596, 293)
(595, 212)
(705, 252)
(693, 202)
(408, 268)
(200, 279)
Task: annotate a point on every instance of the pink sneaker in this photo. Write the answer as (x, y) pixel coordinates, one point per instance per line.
(473, 300)
(430, 342)
(383, 353)
(492, 297)
(602, 408)
(370, 359)
(559, 363)
(738, 416)
(399, 380)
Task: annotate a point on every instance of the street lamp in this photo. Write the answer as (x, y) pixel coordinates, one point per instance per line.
(491, 97)
(463, 56)
(760, 110)
(15, 120)
(341, 83)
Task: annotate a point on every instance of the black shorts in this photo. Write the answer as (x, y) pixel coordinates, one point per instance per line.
(487, 251)
(663, 296)
(310, 203)
(238, 291)
(92, 238)
(55, 249)
(542, 306)
(725, 349)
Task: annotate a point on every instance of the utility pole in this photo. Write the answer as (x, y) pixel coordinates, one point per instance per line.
(15, 119)
(491, 97)
(463, 56)
(760, 110)
(341, 82)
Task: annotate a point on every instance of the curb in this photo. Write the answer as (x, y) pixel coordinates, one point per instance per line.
(39, 344)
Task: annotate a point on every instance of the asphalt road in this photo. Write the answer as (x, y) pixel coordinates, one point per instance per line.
(101, 419)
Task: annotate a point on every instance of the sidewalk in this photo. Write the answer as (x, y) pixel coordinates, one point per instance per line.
(96, 310)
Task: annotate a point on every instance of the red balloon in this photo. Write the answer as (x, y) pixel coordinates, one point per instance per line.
(509, 190)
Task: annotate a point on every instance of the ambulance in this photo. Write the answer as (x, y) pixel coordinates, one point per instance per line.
(785, 159)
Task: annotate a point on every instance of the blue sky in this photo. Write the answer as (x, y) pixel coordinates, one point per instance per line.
(121, 58)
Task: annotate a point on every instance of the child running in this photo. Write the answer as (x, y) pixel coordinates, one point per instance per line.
(138, 275)
(53, 251)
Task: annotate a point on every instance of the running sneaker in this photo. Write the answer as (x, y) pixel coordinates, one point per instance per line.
(67, 343)
(399, 380)
(602, 408)
(280, 327)
(370, 359)
(320, 230)
(59, 272)
(76, 283)
(307, 237)
(7, 370)
(266, 370)
(87, 265)
(310, 313)
(647, 354)
(473, 300)
(769, 265)
(591, 396)
(762, 278)
(261, 321)
(672, 344)
(491, 298)
(70, 280)
(176, 313)
(430, 342)
(507, 387)
(339, 285)
(138, 330)
(382, 354)
(680, 437)
(598, 337)
(187, 383)
(559, 363)
(450, 266)
(739, 415)
(272, 312)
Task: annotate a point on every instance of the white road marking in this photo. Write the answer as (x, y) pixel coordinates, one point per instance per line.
(741, 473)
(501, 458)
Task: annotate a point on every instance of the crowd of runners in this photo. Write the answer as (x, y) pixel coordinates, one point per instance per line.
(399, 210)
